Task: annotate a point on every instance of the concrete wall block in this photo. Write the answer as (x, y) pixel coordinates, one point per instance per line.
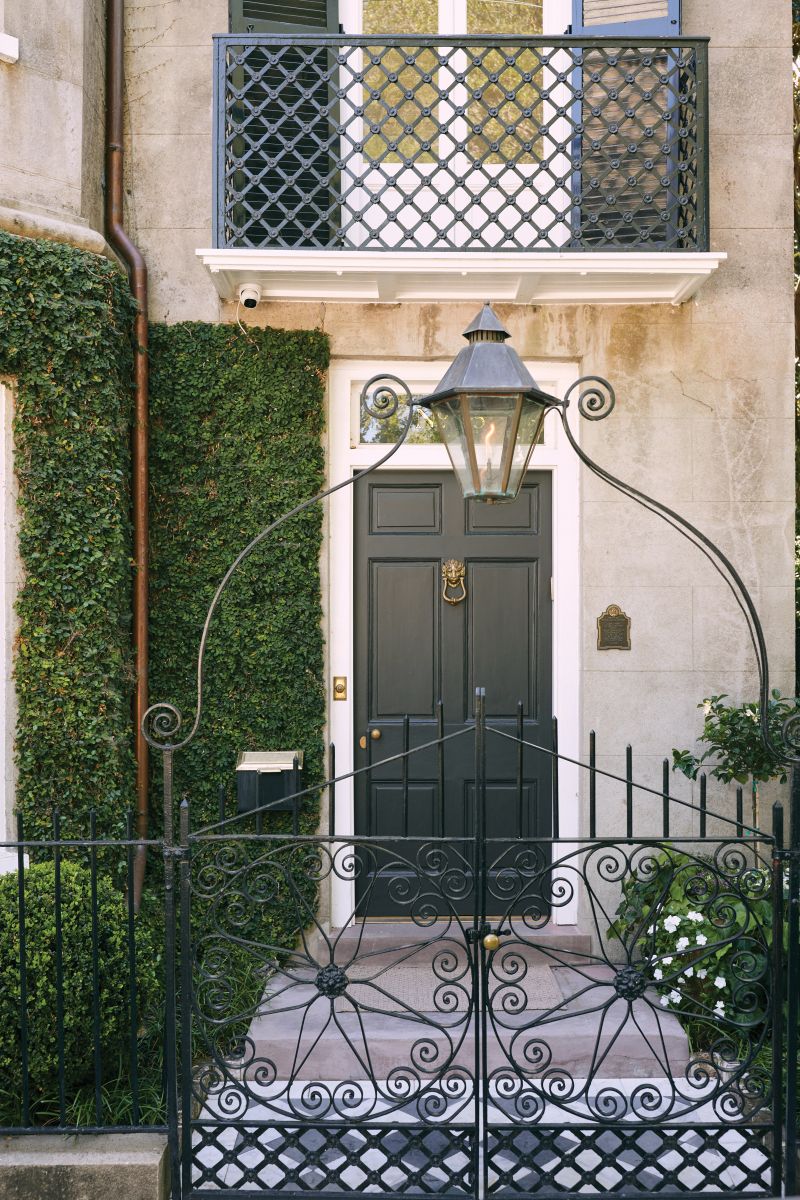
(43, 171)
(748, 93)
(739, 22)
(740, 166)
(177, 293)
(717, 623)
(185, 203)
(754, 281)
(624, 544)
(51, 36)
(738, 460)
(87, 1167)
(169, 94)
(654, 455)
(174, 23)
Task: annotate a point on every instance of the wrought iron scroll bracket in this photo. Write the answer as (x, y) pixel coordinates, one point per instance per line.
(596, 400)
(381, 398)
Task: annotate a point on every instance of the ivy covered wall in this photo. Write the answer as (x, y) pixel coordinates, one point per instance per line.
(237, 421)
(65, 320)
(236, 432)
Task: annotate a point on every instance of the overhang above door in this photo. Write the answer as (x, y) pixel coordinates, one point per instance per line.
(427, 276)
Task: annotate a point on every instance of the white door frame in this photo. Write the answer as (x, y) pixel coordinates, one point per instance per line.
(345, 456)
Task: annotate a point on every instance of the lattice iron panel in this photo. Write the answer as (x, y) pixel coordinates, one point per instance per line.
(688, 1159)
(449, 144)
(385, 1159)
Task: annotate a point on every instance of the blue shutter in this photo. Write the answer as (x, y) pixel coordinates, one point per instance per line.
(631, 18)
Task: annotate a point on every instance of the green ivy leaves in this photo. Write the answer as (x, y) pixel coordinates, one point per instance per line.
(65, 320)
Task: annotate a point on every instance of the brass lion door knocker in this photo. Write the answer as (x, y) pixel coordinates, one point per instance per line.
(453, 573)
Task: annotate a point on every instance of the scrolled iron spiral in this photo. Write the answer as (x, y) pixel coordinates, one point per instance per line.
(161, 725)
(790, 734)
(380, 397)
(596, 397)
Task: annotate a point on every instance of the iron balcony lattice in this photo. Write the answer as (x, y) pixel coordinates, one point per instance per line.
(446, 143)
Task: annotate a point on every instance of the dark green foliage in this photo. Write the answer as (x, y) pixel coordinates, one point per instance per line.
(115, 1016)
(65, 319)
(735, 744)
(237, 421)
(236, 442)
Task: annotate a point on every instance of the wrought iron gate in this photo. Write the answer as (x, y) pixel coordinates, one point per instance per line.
(495, 1053)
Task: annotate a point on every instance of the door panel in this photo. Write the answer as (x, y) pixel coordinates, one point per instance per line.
(404, 638)
(414, 650)
(504, 598)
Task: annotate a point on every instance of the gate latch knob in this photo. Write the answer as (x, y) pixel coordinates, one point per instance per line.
(491, 942)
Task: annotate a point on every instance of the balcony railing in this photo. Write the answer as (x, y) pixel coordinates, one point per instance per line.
(445, 143)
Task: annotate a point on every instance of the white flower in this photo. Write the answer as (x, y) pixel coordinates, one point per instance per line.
(652, 929)
(658, 973)
(719, 1008)
(753, 717)
(664, 1000)
(701, 939)
(701, 974)
(682, 943)
(675, 997)
(707, 708)
(719, 982)
(667, 961)
(672, 922)
(689, 972)
(694, 916)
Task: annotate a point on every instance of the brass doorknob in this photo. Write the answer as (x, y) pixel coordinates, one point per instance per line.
(375, 734)
(491, 942)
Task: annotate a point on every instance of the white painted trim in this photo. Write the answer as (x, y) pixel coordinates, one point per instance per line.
(523, 277)
(344, 457)
(9, 582)
(9, 48)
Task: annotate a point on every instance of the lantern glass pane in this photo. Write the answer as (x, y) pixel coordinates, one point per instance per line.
(453, 432)
(528, 434)
(489, 437)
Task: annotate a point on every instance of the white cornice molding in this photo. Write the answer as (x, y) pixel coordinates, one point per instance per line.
(535, 277)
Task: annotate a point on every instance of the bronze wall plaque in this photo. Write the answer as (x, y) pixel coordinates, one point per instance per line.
(613, 629)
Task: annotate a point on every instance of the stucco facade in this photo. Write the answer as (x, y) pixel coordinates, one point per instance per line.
(705, 415)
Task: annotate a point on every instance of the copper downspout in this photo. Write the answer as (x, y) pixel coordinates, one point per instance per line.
(137, 273)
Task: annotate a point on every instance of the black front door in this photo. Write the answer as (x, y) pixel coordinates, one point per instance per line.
(422, 648)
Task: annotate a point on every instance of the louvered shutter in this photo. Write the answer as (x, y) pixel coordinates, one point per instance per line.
(628, 188)
(286, 141)
(633, 18)
(283, 16)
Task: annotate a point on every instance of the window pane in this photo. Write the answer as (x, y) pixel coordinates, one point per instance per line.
(521, 113)
(401, 16)
(375, 432)
(409, 128)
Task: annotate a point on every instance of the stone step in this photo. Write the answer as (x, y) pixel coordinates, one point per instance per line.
(303, 1035)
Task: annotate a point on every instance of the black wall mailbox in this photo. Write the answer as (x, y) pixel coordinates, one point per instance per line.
(268, 779)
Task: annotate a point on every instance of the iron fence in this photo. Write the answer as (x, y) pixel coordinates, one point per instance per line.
(82, 986)
(261, 1023)
(460, 143)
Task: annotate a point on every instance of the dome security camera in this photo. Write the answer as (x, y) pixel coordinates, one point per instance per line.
(249, 295)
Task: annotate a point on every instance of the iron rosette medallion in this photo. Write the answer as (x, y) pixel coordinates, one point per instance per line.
(661, 1009)
(319, 1024)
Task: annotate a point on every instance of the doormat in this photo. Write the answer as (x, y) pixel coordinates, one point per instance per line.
(419, 989)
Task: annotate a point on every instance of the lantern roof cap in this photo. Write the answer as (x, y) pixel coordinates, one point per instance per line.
(486, 326)
(487, 364)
